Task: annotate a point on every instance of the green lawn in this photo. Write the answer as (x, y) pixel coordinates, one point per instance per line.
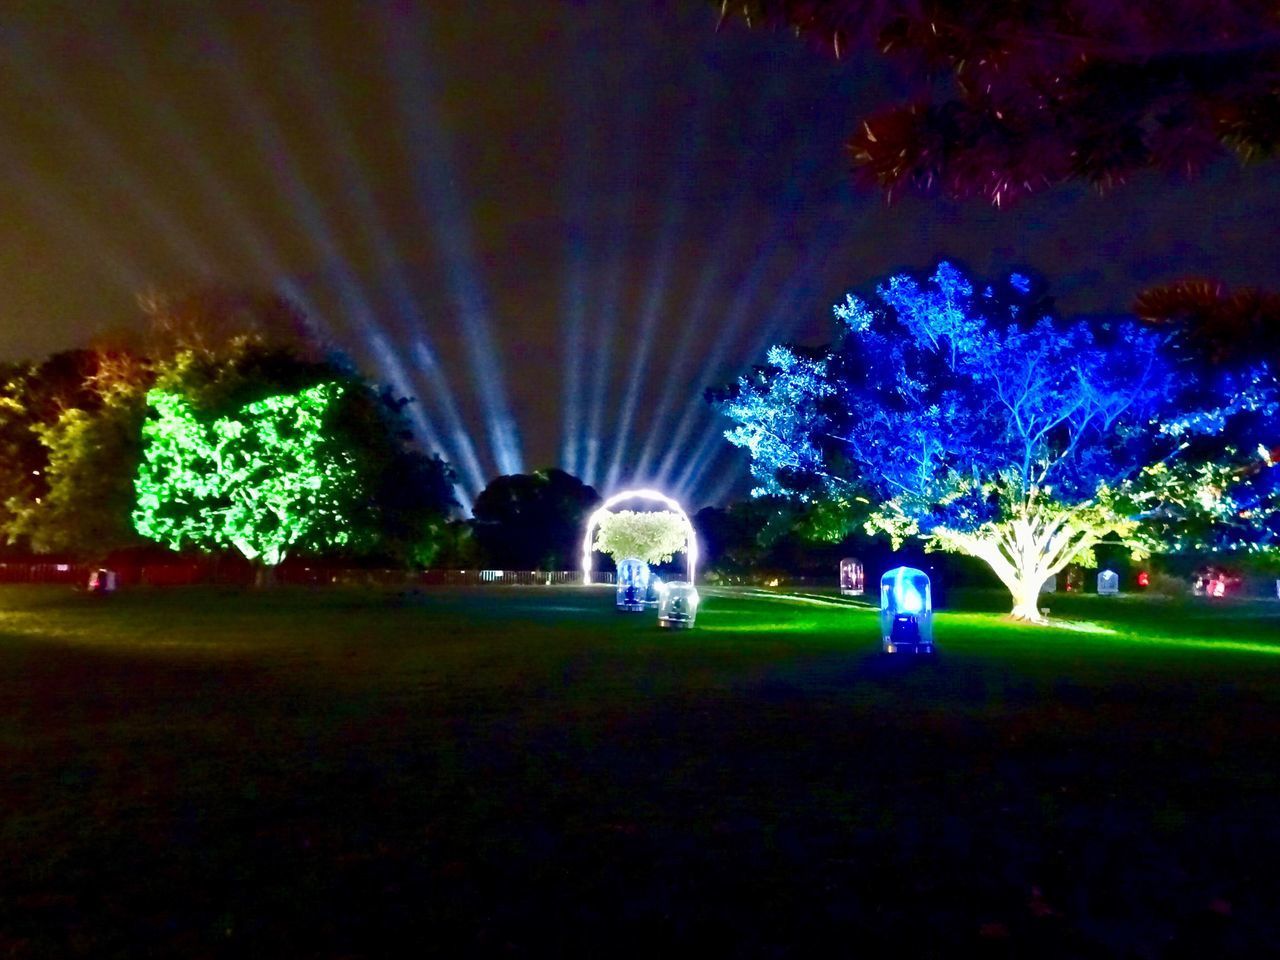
(522, 771)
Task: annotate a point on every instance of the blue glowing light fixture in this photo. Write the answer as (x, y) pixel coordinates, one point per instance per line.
(632, 585)
(906, 611)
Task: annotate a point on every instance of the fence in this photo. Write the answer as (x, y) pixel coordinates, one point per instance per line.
(436, 578)
(209, 572)
(43, 573)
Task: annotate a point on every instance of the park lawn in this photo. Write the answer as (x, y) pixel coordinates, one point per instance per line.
(522, 771)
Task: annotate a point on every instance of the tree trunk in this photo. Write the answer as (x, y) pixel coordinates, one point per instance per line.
(1023, 557)
(1026, 602)
(264, 576)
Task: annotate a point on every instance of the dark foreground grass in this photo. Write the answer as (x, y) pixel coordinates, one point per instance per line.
(192, 773)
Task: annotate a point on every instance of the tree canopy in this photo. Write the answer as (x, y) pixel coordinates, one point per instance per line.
(72, 428)
(533, 521)
(972, 417)
(1233, 331)
(262, 481)
(32, 396)
(1011, 96)
(653, 536)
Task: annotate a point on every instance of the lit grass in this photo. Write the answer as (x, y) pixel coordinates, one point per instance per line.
(337, 773)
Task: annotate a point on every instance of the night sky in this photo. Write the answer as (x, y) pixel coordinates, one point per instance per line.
(555, 223)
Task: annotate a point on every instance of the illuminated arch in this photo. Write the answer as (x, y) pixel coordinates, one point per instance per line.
(690, 542)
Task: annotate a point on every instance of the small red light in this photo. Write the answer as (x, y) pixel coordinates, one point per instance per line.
(1144, 578)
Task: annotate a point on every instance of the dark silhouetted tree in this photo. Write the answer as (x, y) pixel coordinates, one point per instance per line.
(1011, 96)
(533, 521)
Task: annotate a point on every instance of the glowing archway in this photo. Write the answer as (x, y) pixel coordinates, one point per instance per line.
(691, 538)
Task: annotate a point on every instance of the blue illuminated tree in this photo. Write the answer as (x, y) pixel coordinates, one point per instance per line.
(976, 420)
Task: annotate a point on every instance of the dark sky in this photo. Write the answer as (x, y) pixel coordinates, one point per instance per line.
(556, 223)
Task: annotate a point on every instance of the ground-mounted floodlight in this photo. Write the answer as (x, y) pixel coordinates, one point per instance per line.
(678, 608)
(691, 538)
(906, 611)
(853, 582)
(632, 585)
(1108, 583)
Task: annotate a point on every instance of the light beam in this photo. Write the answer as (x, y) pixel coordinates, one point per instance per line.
(436, 181)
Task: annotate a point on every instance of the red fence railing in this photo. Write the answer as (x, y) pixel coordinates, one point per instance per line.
(190, 573)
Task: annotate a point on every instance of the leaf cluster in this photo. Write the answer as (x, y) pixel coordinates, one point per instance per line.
(1014, 96)
(654, 537)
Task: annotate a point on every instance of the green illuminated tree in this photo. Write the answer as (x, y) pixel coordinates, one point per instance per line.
(264, 481)
(653, 537)
(71, 442)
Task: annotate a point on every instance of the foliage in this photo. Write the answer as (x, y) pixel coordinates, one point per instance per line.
(33, 396)
(982, 424)
(75, 433)
(654, 537)
(785, 415)
(407, 495)
(775, 533)
(1014, 96)
(1223, 327)
(262, 482)
(212, 323)
(1222, 333)
(85, 510)
(533, 521)
(457, 548)
(71, 427)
